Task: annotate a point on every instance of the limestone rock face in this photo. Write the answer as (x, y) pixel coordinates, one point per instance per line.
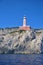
(20, 41)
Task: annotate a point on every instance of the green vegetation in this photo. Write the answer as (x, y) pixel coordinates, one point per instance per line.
(19, 31)
(38, 33)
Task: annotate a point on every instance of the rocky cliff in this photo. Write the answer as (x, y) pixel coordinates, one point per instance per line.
(13, 40)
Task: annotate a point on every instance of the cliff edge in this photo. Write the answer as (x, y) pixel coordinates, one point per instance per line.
(13, 40)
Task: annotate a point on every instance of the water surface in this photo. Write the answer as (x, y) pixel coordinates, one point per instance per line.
(21, 59)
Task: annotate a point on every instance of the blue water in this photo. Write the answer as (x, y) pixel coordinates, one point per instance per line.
(21, 59)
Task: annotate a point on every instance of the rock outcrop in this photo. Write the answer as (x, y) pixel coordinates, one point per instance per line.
(20, 41)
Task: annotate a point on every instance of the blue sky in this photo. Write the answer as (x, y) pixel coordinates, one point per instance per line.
(13, 11)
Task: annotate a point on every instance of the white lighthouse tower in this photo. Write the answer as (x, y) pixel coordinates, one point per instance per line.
(24, 21)
(24, 27)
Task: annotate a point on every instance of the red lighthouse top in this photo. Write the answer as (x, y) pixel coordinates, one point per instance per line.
(25, 27)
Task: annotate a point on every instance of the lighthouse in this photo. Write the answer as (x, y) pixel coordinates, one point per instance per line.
(24, 27)
(24, 21)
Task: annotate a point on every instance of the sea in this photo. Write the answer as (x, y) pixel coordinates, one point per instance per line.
(21, 59)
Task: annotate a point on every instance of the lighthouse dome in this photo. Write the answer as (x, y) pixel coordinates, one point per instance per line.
(24, 17)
